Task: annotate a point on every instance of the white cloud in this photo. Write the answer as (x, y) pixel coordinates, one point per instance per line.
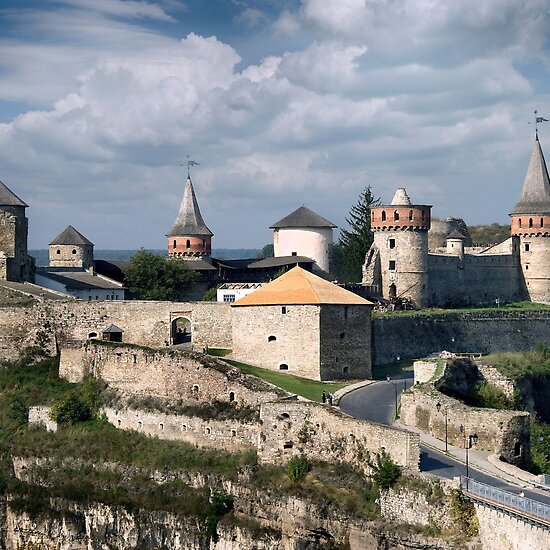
(121, 8)
(250, 17)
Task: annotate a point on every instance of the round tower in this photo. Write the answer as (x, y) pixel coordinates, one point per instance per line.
(401, 236)
(189, 237)
(71, 249)
(530, 219)
(304, 233)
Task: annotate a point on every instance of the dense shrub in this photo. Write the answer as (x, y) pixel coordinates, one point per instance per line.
(385, 472)
(297, 468)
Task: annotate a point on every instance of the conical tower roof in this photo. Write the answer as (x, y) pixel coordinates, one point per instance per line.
(189, 221)
(70, 235)
(401, 198)
(300, 287)
(535, 198)
(302, 217)
(8, 198)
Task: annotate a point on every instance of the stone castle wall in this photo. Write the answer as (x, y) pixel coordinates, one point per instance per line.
(230, 435)
(505, 433)
(168, 374)
(477, 332)
(13, 243)
(535, 260)
(269, 338)
(294, 427)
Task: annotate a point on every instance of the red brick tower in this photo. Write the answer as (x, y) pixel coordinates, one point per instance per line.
(189, 237)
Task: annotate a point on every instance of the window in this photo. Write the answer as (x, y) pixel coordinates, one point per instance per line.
(396, 216)
(74, 251)
(526, 247)
(527, 267)
(392, 265)
(285, 416)
(161, 426)
(542, 222)
(140, 424)
(345, 370)
(229, 298)
(383, 215)
(231, 396)
(519, 222)
(283, 366)
(233, 433)
(58, 251)
(423, 216)
(187, 243)
(195, 388)
(174, 243)
(517, 449)
(342, 335)
(295, 253)
(204, 244)
(208, 431)
(530, 222)
(118, 423)
(410, 215)
(183, 427)
(392, 243)
(272, 338)
(288, 445)
(283, 310)
(92, 335)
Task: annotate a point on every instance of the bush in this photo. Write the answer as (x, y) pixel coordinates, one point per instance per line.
(220, 505)
(385, 472)
(80, 404)
(297, 468)
(492, 397)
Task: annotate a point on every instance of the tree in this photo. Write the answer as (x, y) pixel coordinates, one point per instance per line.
(356, 241)
(267, 251)
(151, 276)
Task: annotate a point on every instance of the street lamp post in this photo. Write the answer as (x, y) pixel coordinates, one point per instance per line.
(472, 440)
(445, 412)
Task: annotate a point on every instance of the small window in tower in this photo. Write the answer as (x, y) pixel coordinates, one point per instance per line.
(283, 366)
(542, 222)
(423, 216)
(74, 251)
(58, 251)
(283, 310)
(187, 243)
(526, 266)
(204, 244)
(392, 243)
(392, 265)
(272, 338)
(410, 215)
(530, 222)
(342, 335)
(396, 215)
(175, 244)
(383, 215)
(295, 253)
(231, 396)
(519, 222)
(526, 247)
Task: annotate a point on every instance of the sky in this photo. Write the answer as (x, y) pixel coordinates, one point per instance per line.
(282, 103)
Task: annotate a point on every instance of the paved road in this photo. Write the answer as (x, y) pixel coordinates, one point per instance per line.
(376, 402)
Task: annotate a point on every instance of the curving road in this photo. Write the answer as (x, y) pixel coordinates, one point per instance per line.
(377, 403)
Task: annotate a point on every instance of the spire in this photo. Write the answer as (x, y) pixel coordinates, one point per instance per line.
(401, 198)
(189, 221)
(535, 198)
(9, 198)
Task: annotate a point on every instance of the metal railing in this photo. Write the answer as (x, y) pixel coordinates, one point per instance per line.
(530, 509)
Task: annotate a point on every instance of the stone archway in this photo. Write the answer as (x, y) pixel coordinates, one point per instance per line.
(180, 331)
(393, 291)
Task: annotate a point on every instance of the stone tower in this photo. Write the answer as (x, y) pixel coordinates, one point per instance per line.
(304, 233)
(397, 262)
(15, 264)
(189, 237)
(531, 222)
(71, 249)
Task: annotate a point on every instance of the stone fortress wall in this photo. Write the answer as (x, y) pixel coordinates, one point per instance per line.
(293, 427)
(187, 377)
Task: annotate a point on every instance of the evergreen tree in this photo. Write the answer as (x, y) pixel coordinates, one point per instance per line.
(356, 241)
(151, 276)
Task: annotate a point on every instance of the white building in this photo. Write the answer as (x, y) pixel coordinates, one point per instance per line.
(230, 292)
(304, 233)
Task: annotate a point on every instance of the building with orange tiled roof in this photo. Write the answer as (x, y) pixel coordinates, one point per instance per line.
(305, 325)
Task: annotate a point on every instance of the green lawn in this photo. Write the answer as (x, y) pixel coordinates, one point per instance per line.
(312, 389)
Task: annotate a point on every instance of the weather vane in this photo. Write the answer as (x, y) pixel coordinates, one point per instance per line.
(538, 120)
(189, 164)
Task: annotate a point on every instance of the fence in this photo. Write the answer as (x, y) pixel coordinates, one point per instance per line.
(528, 508)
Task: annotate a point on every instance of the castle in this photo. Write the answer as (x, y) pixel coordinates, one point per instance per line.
(399, 263)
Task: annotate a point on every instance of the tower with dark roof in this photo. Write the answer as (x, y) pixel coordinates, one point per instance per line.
(530, 219)
(189, 237)
(397, 263)
(304, 233)
(71, 249)
(15, 264)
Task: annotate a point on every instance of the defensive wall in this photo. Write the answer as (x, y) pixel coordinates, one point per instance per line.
(185, 376)
(292, 427)
(505, 433)
(420, 335)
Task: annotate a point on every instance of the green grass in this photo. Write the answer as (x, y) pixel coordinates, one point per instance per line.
(512, 306)
(397, 369)
(312, 389)
(218, 352)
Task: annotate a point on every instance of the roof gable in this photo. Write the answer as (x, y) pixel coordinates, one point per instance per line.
(70, 235)
(303, 217)
(299, 286)
(9, 198)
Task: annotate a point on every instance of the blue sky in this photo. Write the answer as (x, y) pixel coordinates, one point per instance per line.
(282, 102)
